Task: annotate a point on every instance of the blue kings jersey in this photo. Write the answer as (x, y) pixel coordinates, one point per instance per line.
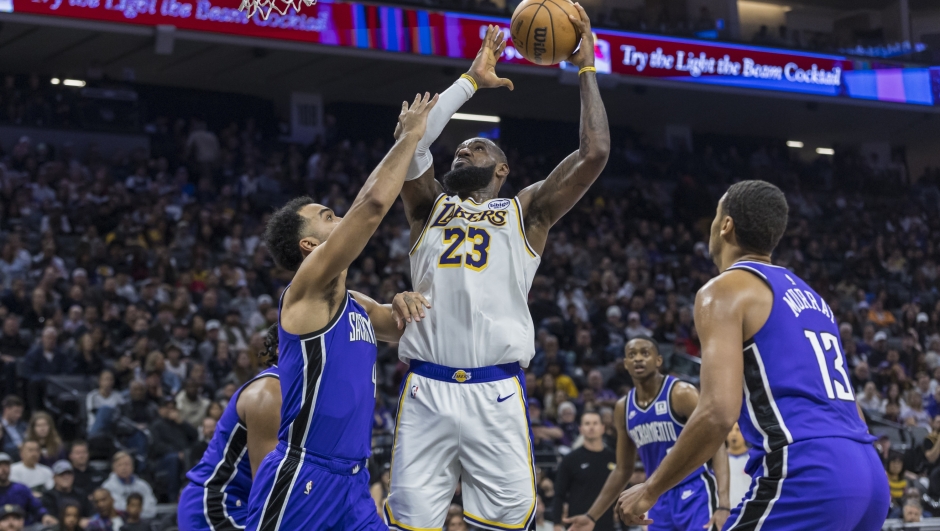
(328, 385)
(224, 470)
(796, 380)
(654, 429)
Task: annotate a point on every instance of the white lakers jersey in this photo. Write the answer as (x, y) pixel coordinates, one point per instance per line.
(473, 264)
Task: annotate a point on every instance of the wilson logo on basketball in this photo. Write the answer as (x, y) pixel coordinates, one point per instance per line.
(539, 48)
(542, 32)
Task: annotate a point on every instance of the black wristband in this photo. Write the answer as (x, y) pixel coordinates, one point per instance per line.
(591, 517)
(723, 509)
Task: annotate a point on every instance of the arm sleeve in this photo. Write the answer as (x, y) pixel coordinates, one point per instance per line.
(561, 492)
(449, 102)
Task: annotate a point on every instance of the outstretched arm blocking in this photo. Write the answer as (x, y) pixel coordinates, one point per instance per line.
(376, 197)
(421, 188)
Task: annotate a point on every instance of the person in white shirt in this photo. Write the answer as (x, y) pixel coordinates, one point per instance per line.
(191, 404)
(635, 328)
(204, 143)
(737, 459)
(870, 400)
(257, 321)
(101, 398)
(29, 471)
(175, 363)
(122, 482)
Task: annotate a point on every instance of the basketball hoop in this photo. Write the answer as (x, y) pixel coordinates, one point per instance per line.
(264, 7)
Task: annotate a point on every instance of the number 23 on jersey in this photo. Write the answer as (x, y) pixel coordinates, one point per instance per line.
(456, 255)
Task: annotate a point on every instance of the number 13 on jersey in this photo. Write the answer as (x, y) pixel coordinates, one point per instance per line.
(454, 238)
(831, 343)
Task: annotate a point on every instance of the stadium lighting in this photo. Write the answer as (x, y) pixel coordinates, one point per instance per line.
(73, 83)
(476, 117)
(825, 151)
(54, 81)
(794, 144)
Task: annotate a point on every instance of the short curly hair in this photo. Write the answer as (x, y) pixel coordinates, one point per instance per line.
(759, 210)
(269, 354)
(285, 229)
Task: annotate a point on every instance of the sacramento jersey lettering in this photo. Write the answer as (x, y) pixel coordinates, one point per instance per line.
(653, 432)
(654, 429)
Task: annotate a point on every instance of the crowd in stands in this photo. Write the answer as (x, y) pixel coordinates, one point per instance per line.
(142, 279)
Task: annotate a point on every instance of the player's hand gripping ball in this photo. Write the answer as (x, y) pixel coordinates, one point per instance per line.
(542, 31)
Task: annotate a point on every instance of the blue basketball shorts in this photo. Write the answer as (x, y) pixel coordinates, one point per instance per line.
(203, 510)
(828, 483)
(687, 506)
(297, 491)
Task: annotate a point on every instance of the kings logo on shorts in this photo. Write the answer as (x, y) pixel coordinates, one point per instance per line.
(461, 376)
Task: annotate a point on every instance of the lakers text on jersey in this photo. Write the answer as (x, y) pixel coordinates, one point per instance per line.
(462, 413)
(473, 263)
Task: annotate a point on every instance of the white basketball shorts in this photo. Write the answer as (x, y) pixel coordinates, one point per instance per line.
(467, 424)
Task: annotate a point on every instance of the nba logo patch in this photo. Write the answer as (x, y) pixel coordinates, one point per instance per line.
(414, 391)
(661, 408)
(461, 376)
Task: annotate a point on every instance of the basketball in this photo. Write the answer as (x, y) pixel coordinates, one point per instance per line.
(542, 32)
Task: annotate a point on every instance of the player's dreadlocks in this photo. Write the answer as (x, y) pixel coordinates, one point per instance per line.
(268, 356)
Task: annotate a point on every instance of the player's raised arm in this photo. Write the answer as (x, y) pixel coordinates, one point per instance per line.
(719, 316)
(328, 259)
(618, 478)
(421, 188)
(389, 320)
(545, 202)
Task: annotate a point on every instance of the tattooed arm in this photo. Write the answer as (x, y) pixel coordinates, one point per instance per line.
(545, 202)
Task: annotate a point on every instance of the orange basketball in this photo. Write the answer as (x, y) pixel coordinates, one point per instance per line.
(542, 32)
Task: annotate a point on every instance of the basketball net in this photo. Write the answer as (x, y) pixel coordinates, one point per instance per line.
(265, 7)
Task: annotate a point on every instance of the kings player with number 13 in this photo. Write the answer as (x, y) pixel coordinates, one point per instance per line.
(462, 412)
(768, 333)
